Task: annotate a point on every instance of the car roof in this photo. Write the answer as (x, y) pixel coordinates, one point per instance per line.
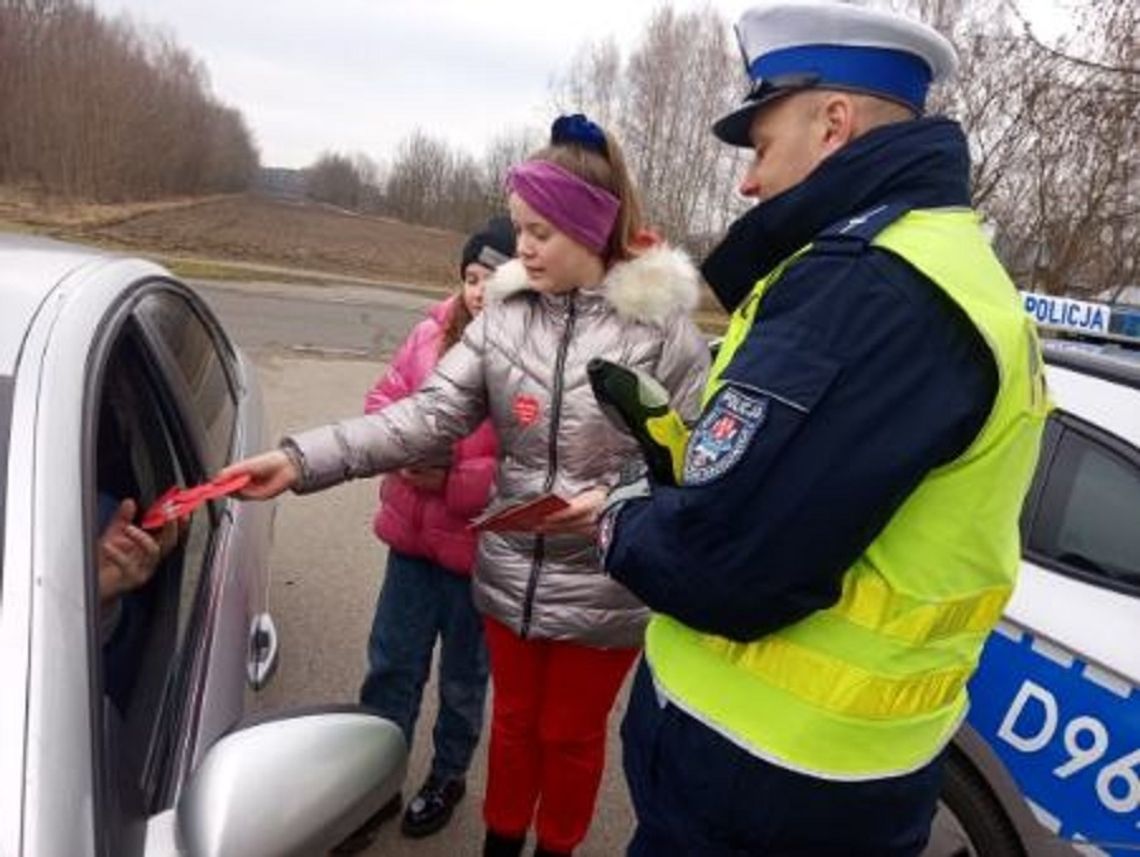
(1111, 362)
(31, 267)
(1098, 383)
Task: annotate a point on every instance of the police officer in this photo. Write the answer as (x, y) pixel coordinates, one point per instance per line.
(845, 533)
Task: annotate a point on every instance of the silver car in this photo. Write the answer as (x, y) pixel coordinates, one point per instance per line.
(123, 734)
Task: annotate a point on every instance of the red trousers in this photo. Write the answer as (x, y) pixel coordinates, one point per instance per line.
(548, 734)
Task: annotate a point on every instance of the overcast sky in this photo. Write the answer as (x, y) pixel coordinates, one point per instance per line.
(360, 75)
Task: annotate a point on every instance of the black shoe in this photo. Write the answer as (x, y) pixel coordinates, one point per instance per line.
(366, 834)
(432, 806)
(540, 851)
(497, 845)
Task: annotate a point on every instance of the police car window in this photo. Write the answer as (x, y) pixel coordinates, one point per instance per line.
(183, 333)
(1089, 517)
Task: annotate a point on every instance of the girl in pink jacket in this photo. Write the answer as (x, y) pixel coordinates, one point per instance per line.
(423, 517)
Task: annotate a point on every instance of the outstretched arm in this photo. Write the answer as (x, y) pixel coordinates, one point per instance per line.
(417, 430)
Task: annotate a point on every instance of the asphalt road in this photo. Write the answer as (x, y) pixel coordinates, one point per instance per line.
(347, 321)
(317, 351)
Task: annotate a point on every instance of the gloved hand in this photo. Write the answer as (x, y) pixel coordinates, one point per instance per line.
(637, 403)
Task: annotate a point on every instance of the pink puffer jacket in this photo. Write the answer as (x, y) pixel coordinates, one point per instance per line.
(417, 522)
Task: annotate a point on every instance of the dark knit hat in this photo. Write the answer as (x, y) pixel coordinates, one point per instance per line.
(490, 246)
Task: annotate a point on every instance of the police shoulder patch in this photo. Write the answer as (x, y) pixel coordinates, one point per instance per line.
(723, 434)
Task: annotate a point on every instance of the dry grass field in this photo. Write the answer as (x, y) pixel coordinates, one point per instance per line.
(248, 237)
(232, 233)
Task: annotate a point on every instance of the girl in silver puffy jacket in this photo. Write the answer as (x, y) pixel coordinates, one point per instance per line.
(588, 282)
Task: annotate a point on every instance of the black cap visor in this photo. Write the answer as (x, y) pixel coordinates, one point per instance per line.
(734, 127)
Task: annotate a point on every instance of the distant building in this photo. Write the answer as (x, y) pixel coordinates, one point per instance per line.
(281, 183)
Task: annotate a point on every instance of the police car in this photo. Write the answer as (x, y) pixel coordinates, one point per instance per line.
(1049, 760)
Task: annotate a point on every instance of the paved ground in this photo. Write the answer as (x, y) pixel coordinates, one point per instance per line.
(348, 321)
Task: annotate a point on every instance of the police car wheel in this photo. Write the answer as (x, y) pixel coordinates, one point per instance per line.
(970, 821)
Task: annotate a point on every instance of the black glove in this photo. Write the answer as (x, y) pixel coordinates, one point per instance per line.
(637, 403)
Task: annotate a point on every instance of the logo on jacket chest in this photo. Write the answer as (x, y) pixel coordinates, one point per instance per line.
(526, 410)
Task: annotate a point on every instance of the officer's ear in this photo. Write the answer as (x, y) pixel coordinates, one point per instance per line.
(837, 118)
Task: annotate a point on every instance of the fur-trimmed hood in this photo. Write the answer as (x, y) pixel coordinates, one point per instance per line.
(652, 287)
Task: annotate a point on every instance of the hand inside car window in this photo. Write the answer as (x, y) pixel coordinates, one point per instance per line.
(127, 554)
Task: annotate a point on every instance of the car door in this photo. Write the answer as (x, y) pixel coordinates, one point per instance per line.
(1057, 694)
(218, 402)
(167, 388)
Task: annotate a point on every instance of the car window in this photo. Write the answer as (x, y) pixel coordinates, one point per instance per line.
(1088, 518)
(147, 633)
(204, 366)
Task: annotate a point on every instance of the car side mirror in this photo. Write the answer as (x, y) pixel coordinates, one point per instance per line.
(291, 784)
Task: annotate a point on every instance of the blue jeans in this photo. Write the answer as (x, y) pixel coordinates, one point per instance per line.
(418, 602)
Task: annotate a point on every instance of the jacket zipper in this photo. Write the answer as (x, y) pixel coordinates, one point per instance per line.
(551, 463)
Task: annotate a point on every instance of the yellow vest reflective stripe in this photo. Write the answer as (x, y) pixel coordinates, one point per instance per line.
(876, 684)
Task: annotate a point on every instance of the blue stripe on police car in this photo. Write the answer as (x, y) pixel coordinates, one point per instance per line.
(1069, 733)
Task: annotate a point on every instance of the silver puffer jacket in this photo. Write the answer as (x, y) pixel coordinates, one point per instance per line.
(523, 362)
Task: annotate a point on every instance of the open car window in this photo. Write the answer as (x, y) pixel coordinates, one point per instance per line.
(147, 635)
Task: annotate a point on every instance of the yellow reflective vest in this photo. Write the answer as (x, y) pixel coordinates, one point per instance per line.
(875, 685)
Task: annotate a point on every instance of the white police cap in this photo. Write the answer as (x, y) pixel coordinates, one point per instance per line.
(797, 45)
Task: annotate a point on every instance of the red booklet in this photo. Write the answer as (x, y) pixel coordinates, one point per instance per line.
(518, 517)
(181, 502)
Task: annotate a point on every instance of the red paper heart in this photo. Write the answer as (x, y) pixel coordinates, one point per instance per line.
(526, 410)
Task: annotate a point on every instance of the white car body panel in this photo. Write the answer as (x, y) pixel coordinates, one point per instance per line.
(1080, 617)
(1110, 406)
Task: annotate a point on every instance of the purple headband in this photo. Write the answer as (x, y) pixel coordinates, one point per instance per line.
(583, 211)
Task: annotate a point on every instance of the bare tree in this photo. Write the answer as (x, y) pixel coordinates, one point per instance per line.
(1053, 133)
(417, 184)
(335, 179)
(509, 148)
(95, 109)
(593, 82)
(661, 103)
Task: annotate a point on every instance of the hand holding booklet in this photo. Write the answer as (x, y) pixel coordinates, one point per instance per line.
(521, 517)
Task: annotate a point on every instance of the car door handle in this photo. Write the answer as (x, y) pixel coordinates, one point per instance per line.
(263, 651)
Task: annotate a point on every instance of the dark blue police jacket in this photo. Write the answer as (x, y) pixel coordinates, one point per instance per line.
(761, 543)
